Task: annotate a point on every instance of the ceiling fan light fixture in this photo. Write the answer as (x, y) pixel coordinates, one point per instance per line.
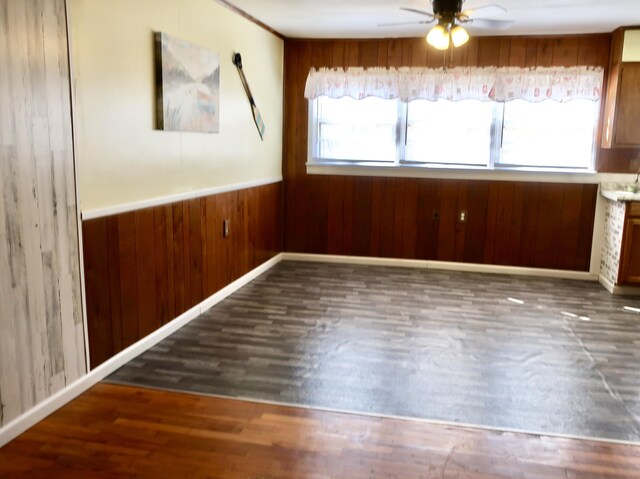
(459, 36)
(438, 37)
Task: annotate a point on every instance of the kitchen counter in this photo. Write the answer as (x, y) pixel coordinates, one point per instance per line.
(617, 192)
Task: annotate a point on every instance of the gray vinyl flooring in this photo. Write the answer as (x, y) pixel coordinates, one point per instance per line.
(531, 354)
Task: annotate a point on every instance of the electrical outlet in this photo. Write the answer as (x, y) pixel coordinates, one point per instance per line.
(226, 228)
(462, 217)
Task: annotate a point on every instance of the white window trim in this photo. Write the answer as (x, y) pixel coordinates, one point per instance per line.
(480, 174)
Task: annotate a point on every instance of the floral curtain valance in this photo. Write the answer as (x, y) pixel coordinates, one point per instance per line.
(460, 83)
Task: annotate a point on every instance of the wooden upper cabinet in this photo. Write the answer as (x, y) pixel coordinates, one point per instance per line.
(627, 131)
(621, 128)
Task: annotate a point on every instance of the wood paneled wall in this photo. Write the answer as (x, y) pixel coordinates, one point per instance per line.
(509, 223)
(41, 330)
(542, 225)
(145, 268)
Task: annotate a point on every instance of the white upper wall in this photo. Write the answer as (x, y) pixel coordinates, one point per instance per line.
(121, 157)
(631, 46)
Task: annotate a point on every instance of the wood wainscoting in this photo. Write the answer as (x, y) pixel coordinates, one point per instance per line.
(146, 267)
(541, 225)
(521, 224)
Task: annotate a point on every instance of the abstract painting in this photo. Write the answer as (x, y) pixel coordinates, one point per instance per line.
(187, 86)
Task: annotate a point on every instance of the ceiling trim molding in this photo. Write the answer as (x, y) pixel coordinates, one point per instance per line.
(251, 18)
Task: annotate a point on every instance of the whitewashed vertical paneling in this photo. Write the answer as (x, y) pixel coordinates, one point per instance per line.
(612, 246)
(41, 332)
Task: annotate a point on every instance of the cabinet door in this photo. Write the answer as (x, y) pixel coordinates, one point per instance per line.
(630, 260)
(627, 131)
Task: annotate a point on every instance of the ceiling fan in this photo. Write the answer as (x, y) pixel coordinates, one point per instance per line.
(451, 18)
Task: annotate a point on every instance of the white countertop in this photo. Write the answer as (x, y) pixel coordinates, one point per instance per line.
(616, 192)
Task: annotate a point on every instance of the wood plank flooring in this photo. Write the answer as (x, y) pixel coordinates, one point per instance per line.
(116, 431)
(527, 354)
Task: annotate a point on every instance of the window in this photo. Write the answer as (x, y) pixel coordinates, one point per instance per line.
(473, 117)
(447, 132)
(549, 134)
(360, 130)
(466, 133)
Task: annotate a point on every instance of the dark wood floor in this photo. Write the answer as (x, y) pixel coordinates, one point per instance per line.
(115, 431)
(527, 354)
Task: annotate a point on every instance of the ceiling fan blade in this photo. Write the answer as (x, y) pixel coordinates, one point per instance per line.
(423, 22)
(484, 11)
(419, 12)
(491, 24)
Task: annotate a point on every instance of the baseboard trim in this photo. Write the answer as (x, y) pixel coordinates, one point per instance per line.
(442, 265)
(619, 290)
(36, 414)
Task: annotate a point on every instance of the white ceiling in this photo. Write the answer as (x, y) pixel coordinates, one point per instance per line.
(359, 18)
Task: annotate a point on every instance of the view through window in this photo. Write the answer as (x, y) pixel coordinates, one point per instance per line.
(465, 134)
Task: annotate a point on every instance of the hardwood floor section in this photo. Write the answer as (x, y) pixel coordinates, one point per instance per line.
(119, 431)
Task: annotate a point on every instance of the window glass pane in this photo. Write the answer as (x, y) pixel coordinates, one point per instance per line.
(361, 130)
(549, 133)
(449, 132)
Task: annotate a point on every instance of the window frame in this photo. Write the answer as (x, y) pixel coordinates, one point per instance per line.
(494, 163)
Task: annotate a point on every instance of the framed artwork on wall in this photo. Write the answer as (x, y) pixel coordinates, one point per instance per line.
(187, 86)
